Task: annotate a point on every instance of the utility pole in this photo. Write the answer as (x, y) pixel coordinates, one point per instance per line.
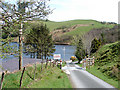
(20, 46)
(64, 52)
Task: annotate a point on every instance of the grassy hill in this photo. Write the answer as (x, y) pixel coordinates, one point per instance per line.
(107, 63)
(64, 31)
(54, 25)
(108, 59)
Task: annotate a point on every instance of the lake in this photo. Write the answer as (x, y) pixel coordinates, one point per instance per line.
(69, 51)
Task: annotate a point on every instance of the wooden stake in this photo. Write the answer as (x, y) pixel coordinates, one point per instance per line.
(2, 80)
(22, 77)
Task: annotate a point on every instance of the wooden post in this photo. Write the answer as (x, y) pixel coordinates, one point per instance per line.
(93, 61)
(89, 63)
(60, 64)
(2, 80)
(86, 62)
(22, 77)
(41, 66)
(83, 63)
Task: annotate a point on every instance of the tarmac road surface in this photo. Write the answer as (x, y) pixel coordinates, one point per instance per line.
(80, 78)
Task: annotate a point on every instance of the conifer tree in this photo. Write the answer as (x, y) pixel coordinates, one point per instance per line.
(95, 45)
(40, 39)
(80, 51)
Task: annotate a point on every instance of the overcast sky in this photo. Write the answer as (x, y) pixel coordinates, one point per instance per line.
(100, 10)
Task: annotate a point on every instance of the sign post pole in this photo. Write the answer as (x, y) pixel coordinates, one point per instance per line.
(64, 52)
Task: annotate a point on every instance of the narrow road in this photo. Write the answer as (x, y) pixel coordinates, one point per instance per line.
(80, 78)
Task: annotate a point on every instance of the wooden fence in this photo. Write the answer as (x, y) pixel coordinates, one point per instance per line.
(51, 64)
(87, 62)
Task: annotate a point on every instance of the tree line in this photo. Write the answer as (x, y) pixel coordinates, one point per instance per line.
(90, 42)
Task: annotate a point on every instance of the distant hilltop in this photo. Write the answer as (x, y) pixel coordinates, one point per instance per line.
(63, 32)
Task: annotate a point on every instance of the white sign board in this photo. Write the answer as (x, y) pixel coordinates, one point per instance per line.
(57, 56)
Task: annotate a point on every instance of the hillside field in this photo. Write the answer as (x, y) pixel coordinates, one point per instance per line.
(107, 63)
(64, 31)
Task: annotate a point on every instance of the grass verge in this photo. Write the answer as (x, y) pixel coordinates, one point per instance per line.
(52, 77)
(93, 70)
(79, 64)
(63, 63)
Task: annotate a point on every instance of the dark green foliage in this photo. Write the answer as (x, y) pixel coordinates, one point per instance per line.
(109, 61)
(80, 51)
(95, 45)
(40, 41)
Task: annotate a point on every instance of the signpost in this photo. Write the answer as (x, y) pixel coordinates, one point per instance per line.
(57, 56)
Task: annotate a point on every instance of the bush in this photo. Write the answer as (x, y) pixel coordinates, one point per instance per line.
(72, 58)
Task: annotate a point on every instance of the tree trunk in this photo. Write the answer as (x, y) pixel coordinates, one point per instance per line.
(34, 55)
(46, 63)
(31, 55)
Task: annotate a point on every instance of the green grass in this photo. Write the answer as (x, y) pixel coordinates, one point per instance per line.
(63, 63)
(80, 65)
(83, 29)
(57, 79)
(53, 25)
(106, 63)
(93, 70)
(48, 78)
(65, 36)
(79, 31)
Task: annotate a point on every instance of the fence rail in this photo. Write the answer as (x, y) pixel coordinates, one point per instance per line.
(87, 62)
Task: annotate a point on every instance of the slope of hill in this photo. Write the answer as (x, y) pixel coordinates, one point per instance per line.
(107, 64)
(67, 24)
(63, 32)
(108, 60)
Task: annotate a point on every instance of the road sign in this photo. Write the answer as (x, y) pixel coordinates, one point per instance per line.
(57, 56)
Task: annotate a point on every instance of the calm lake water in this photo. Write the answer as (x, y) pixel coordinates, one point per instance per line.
(69, 51)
